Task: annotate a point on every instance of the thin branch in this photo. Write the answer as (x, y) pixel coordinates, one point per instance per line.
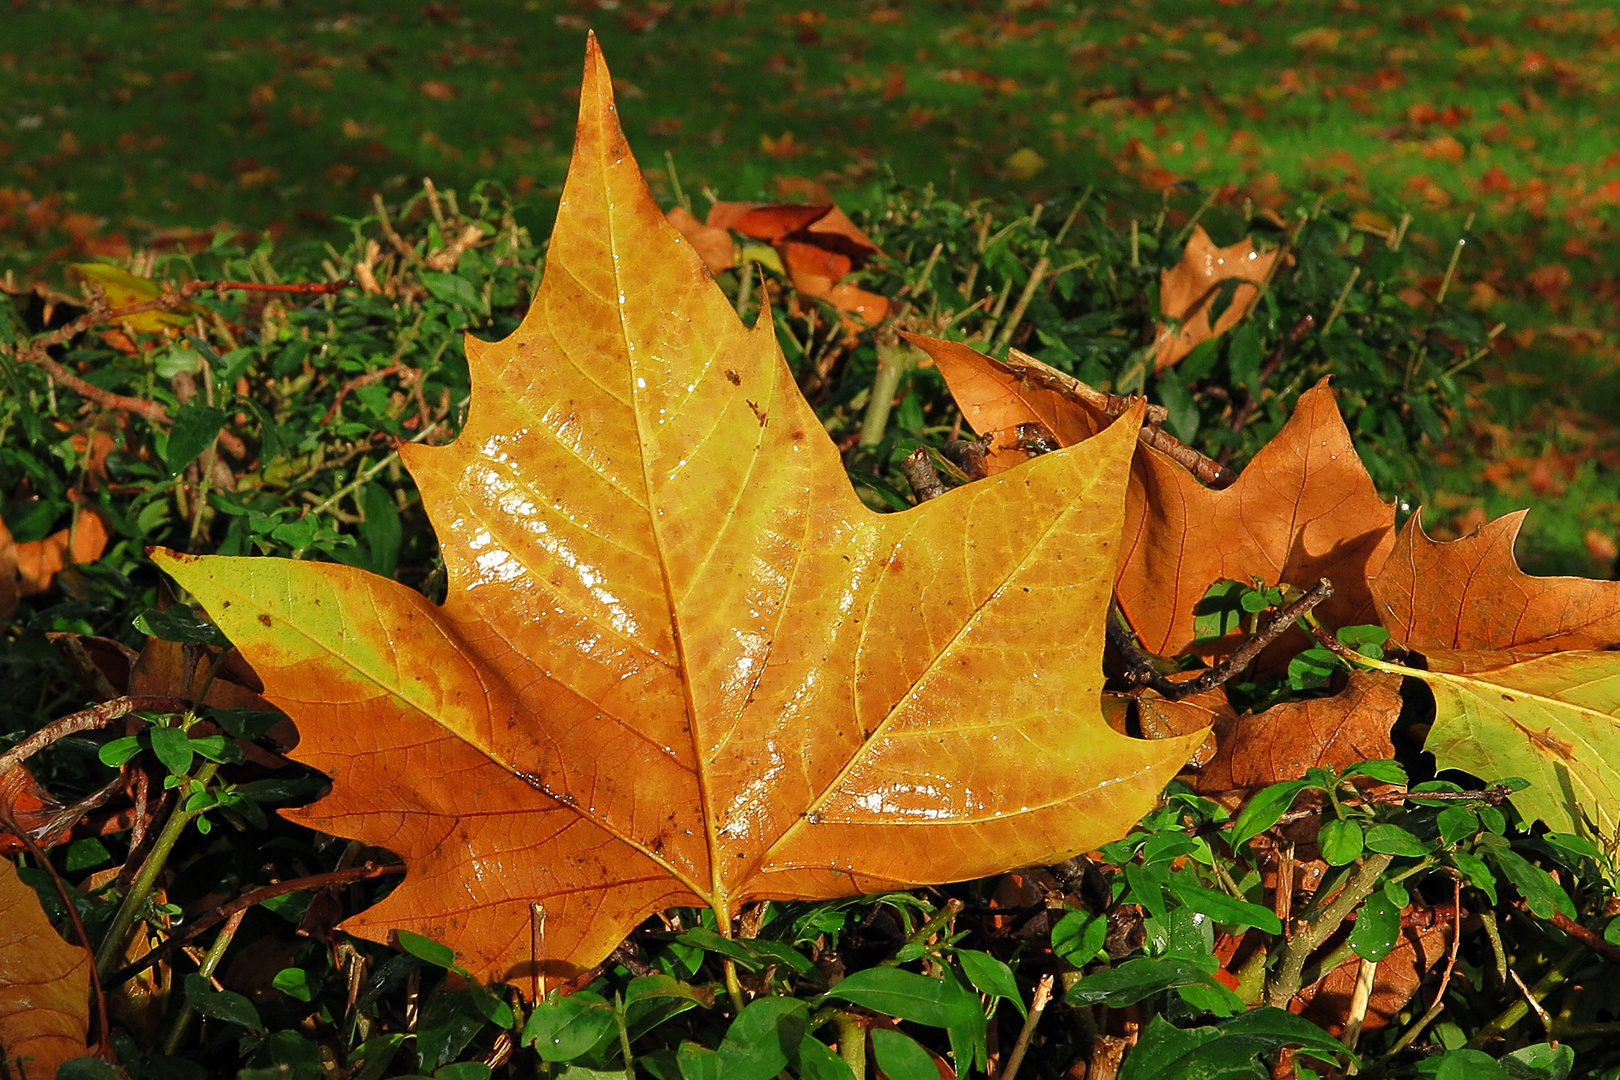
(1580, 933)
(1142, 672)
(1043, 994)
(98, 716)
(242, 903)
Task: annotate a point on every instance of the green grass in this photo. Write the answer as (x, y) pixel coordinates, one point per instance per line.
(132, 124)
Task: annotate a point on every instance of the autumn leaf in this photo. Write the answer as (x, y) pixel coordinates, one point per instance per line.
(1326, 1002)
(679, 661)
(1553, 720)
(1469, 604)
(1304, 508)
(1286, 740)
(819, 246)
(29, 568)
(123, 289)
(44, 983)
(1188, 292)
(713, 245)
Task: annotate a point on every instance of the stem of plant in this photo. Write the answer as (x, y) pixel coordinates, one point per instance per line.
(210, 961)
(1285, 981)
(1555, 977)
(892, 364)
(936, 922)
(112, 946)
(734, 988)
(1043, 994)
(851, 1042)
(624, 1038)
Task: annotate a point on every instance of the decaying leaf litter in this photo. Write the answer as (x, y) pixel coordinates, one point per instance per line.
(1546, 739)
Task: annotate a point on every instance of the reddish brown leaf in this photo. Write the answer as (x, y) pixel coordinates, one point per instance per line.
(819, 246)
(1286, 740)
(1326, 1002)
(1303, 509)
(1468, 597)
(1188, 291)
(28, 568)
(44, 983)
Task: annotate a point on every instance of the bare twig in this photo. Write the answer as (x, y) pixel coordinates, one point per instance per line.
(1318, 925)
(1043, 994)
(1141, 671)
(242, 903)
(1578, 932)
(921, 474)
(98, 716)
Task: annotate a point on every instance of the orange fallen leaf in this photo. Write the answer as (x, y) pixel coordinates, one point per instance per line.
(819, 246)
(39, 561)
(1284, 741)
(1326, 1002)
(713, 245)
(1468, 599)
(680, 662)
(1188, 291)
(1303, 509)
(44, 983)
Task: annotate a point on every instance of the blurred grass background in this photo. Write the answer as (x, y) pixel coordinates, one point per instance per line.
(135, 125)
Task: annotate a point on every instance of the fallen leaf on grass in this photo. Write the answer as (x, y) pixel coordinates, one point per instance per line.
(28, 568)
(1468, 599)
(1303, 509)
(680, 662)
(819, 246)
(44, 983)
(1187, 293)
(714, 246)
(1284, 741)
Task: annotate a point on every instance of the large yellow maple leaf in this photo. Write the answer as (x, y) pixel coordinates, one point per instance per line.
(680, 662)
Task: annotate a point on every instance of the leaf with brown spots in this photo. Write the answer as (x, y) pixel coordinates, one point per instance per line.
(680, 662)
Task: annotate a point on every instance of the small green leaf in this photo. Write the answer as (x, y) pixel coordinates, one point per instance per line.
(918, 998)
(180, 623)
(1134, 980)
(195, 427)
(818, 1062)
(1394, 840)
(1456, 823)
(990, 976)
(1340, 841)
(119, 751)
(900, 1057)
(173, 748)
(1388, 772)
(563, 1029)
(425, 948)
(1078, 937)
(1224, 909)
(294, 982)
(226, 1005)
(1263, 809)
(1378, 927)
(698, 1062)
(763, 1039)
(453, 290)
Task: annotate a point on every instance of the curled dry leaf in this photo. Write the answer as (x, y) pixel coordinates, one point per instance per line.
(1284, 741)
(1188, 292)
(819, 246)
(44, 983)
(713, 245)
(1468, 603)
(679, 661)
(1208, 712)
(1302, 510)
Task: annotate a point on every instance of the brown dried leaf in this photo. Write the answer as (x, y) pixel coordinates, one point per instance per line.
(1286, 740)
(44, 983)
(1326, 1001)
(39, 561)
(1432, 596)
(1188, 291)
(819, 246)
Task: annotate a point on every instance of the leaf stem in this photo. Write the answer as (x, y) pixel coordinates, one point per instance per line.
(1285, 981)
(892, 364)
(1043, 994)
(210, 962)
(851, 1042)
(140, 890)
